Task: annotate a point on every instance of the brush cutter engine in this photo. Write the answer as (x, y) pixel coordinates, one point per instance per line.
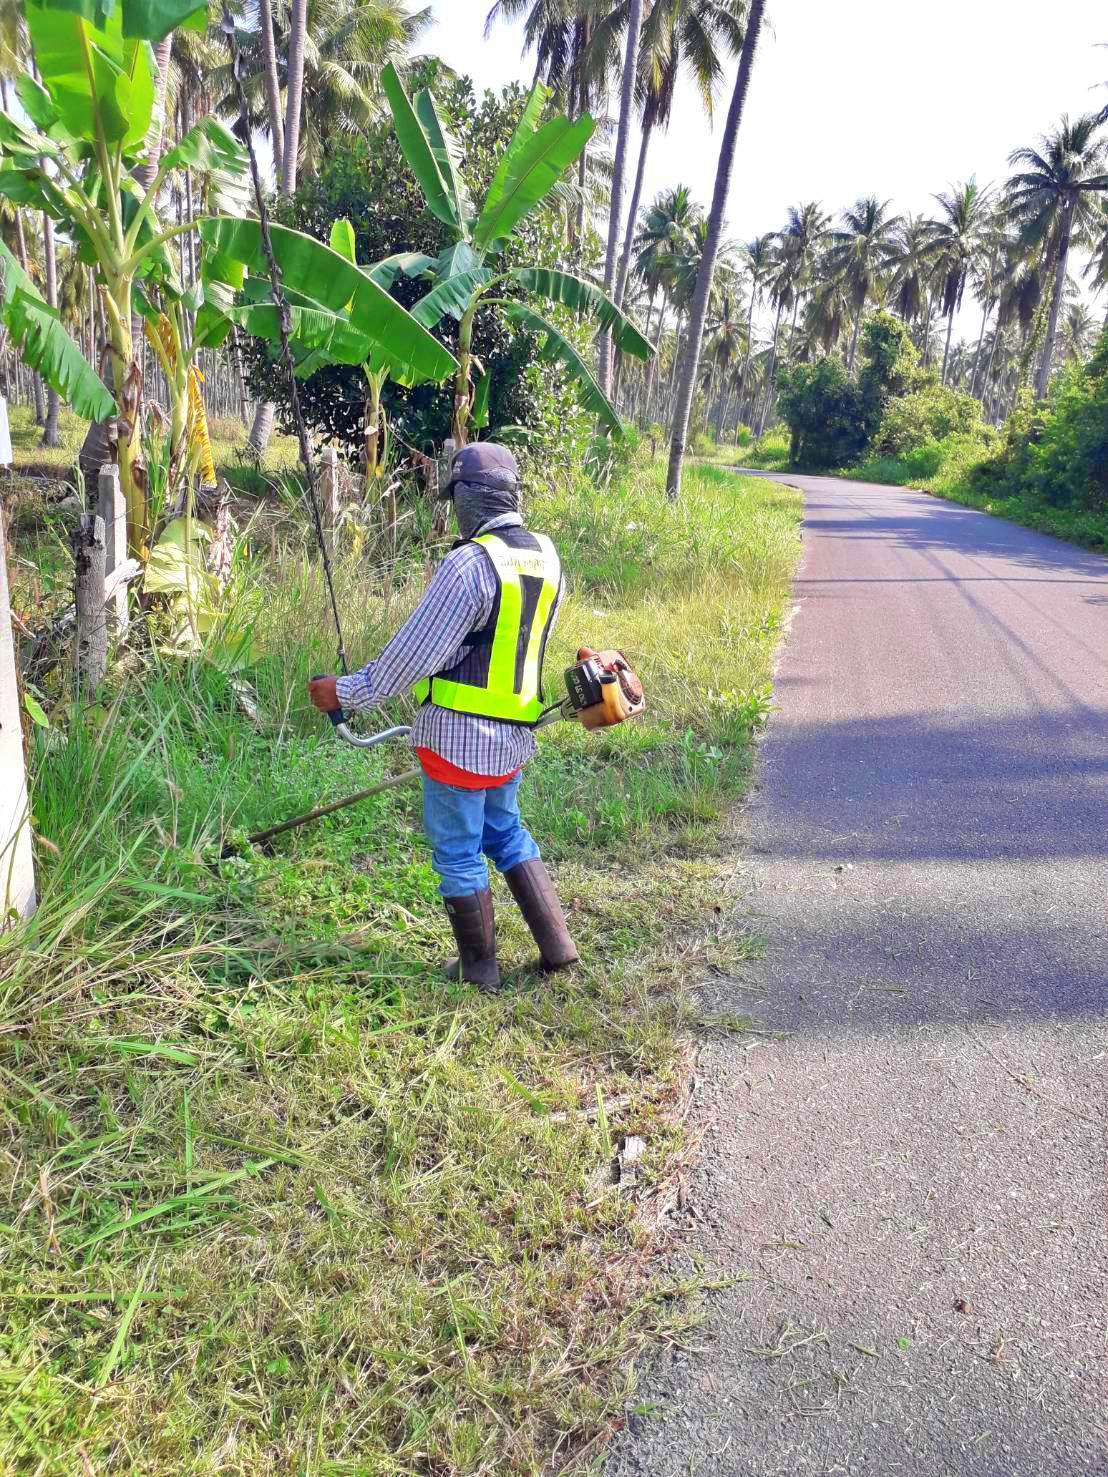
(603, 690)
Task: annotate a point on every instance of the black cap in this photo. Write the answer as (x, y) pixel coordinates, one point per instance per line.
(484, 464)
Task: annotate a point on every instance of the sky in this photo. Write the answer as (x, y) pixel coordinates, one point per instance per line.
(881, 97)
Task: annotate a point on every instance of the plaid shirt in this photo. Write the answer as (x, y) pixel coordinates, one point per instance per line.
(459, 600)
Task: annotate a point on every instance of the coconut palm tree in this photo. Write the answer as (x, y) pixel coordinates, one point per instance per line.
(1077, 333)
(1097, 269)
(724, 349)
(615, 207)
(1053, 199)
(802, 243)
(861, 254)
(668, 229)
(957, 235)
(988, 277)
(678, 37)
(912, 260)
(699, 309)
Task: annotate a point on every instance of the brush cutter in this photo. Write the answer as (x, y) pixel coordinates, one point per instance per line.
(601, 689)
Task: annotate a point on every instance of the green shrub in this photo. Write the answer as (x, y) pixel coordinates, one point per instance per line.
(926, 415)
(825, 413)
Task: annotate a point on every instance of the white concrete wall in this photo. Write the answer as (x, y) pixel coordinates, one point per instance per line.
(17, 875)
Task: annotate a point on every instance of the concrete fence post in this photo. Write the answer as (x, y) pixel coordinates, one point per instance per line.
(91, 647)
(330, 498)
(112, 508)
(17, 871)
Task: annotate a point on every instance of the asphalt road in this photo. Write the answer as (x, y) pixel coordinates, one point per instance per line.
(908, 1167)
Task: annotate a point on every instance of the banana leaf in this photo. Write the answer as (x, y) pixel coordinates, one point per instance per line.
(416, 148)
(342, 240)
(43, 343)
(150, 20)
(24, 146)
(326, 279)
(560, 349)
(94, 72)
(37, 103)
(214, 151)
(448, 154)
(314, 329)
(401, 263)
(480, 414)
(537, 99)
(534, 169)
(452, 296)
(573, 292)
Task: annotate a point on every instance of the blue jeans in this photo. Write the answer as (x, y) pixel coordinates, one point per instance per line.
(463, 824)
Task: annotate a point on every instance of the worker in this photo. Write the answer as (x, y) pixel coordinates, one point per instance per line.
(473, 652)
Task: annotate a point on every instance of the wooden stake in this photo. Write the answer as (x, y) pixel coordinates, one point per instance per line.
(112, 508)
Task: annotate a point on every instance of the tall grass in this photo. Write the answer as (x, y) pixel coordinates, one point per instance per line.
(277, 1198)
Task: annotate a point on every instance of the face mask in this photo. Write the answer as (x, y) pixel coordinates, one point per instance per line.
(475, 506)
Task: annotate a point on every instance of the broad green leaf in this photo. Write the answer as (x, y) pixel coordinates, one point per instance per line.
(416, 148)
(34, 710)
(212, 326)
(213, 150)
(314, 329)
(573, 292)
(148, 20)
(37, 103)
(480, 415)
(321, 276)
(447, 152)
(43, 343)
(24, 146)
(92, 71)
(452, 296)
(559, 348)
(342, 240)
(535, 168)
(537, 99)
(35, 188)
(401, 263)
(154, 19)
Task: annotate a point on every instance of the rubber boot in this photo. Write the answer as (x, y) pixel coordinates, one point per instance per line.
(471, 918)
(542, 912)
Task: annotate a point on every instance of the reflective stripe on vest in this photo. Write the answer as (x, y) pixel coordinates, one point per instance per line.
(529, 581)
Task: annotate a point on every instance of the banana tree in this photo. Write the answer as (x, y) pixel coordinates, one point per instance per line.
(78, 158)
(339, 313)
(466, 276)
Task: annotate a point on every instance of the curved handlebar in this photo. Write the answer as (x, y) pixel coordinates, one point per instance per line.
(372, 740)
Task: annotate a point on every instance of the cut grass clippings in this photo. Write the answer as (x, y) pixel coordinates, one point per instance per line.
(276, 1198)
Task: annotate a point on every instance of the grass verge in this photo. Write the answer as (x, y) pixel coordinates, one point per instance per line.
(276, 1198)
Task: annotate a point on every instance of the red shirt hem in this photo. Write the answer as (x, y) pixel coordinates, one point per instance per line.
(435, 767)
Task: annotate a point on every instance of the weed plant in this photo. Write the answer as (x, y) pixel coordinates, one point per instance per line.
(276, 1197)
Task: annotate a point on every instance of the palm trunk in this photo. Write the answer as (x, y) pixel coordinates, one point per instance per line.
(633, 210)
(146, 171)
(946, 351)
(927, 336)
(707, 268)
(272, 84)
(50, 430)
(294, 91)
(854, 337)
(1042, 383)
(977, 351)
(770, 371)
(262, 428)
(21, 253)
(615, 212)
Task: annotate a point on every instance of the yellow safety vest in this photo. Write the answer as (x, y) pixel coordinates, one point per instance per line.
(500, 674)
